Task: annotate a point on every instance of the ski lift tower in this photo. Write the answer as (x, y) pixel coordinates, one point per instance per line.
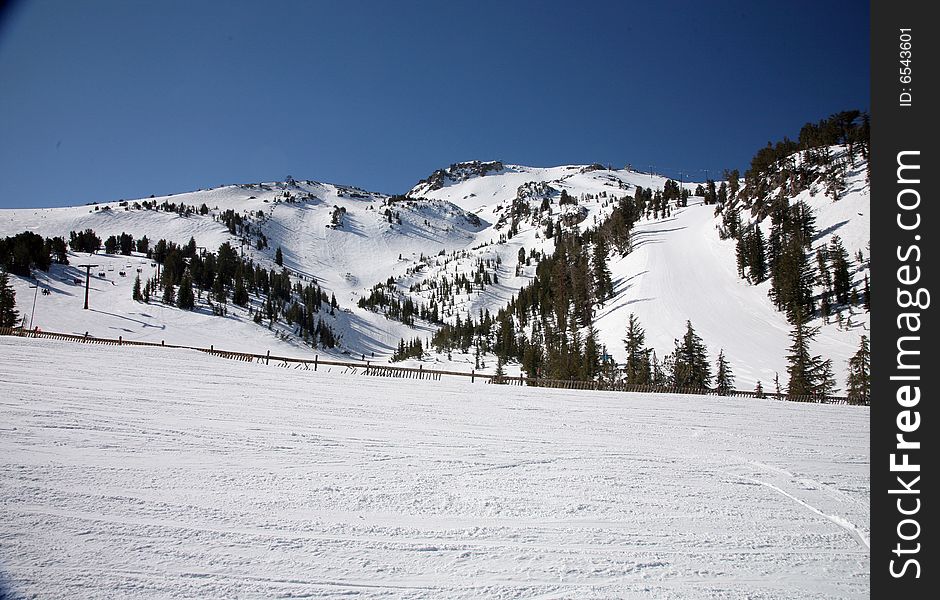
(87, 277)
(35, 295)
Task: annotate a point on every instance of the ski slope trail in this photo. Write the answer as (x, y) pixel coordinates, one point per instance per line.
(152, 473)
(681, 270)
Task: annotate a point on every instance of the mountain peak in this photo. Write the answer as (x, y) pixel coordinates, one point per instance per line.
(455, 173)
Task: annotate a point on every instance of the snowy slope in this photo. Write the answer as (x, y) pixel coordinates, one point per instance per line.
(154, 473)
(112, 312)
(680, 269)
(294, 216)
(451, 224)
(490, 196)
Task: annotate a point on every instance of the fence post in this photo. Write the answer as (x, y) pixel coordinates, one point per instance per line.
(316, 359)
(120, 340)
(472, 375)
(268, 358)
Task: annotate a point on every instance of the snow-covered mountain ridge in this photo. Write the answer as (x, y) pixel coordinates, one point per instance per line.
(453, 242)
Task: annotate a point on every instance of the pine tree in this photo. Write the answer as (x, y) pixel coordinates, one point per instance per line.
(690, 361)
(279, 257)
(759, 390)
(825, 380)
(637, 366)
(168, 295)
(792, 282)
(136, 295)
(9, 316)
(724, 379)
(218, 290)
(858, 383)
(803, 368)
(841, 277)
(590, 362)
(603, 285)
(657, 372)
(803, 223)
(741, 254)
(757, 256)
(185, 298)
(240, 295)
(500, 375)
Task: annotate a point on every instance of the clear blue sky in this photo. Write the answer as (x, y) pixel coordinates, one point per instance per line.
(108, 99)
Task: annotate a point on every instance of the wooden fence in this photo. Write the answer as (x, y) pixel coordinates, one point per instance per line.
(383, 370)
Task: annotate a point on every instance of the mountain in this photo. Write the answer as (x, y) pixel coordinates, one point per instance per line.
(400, 267)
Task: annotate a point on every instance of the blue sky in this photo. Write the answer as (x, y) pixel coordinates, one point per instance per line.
(101, 100)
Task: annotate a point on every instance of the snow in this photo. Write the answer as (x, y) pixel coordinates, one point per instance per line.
(112, 312)
(680, 270)
(152, 473)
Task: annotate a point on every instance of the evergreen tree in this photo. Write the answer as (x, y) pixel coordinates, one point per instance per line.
(825, 384)
(637, 366)
(590, 362)
(724, 379)
(841, 277)
(803, 223)
(792, 282)
(757, 256)
(279, 257)
(690, 361)
(759, 390)
(603, 285)
(803, 368)
(732, 178)
(500, 375)
(858, 383)
(126, 242)
(59, 250)
(740, 252)
(240, 295)
(137, 296)
(711, 194)
(218, 290)
(824, 307)
(143, 245)
(657, 372)
(185, 299)
(9, 316)
(169, 295)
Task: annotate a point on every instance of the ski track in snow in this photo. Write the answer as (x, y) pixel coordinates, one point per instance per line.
(153, 473)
